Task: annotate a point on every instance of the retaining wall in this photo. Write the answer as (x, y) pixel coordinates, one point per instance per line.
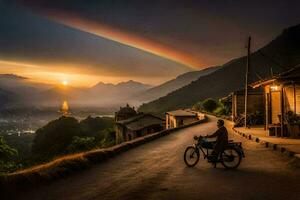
(69, 164)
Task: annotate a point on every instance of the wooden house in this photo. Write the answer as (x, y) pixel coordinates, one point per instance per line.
(282, 103)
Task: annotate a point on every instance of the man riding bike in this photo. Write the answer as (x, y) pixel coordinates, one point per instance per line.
(228, 153)
(222, 140)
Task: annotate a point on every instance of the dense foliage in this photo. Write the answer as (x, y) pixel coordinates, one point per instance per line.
(212, 106)
(67, 135)
(209, 105)
(7, 154)
(107, 137)
(53, 138)
(104, 138)
(81, 144)
(91, 126)
(22, 143)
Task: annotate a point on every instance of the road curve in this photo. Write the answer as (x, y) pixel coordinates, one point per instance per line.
(156, 171)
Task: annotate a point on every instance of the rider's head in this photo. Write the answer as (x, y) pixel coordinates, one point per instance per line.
(220, 123)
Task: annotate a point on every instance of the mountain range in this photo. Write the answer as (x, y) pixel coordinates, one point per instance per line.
(181, 92)
(279, 55)
(17, 91)
(20, 91)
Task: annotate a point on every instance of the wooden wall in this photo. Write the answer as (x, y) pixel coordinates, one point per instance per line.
(255, 103)
(292, 98)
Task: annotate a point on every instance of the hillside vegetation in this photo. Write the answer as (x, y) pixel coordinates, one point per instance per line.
(172, 85)
(65, 135)
(279, 55)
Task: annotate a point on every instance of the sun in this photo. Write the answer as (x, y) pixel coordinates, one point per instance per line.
(65, 82)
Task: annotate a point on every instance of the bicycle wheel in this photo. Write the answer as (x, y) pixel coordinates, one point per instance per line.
(191, 156)
(231, 158)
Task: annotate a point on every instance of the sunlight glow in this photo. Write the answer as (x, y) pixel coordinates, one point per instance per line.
(65, 83)
(56, 74)
(65, 108)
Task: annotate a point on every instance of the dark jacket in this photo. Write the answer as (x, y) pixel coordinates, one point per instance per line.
(222, 139)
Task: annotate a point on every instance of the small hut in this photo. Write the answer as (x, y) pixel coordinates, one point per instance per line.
(282, 103)
(181, 117)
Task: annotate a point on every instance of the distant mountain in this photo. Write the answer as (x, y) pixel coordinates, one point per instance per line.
(11, 77)
(114, 94)
(17, 91)
(130, 87)
(279, 55)
(5, 98)
(172, 85)
(13, 81)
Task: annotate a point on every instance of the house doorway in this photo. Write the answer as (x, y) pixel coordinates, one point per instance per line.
(275, 107)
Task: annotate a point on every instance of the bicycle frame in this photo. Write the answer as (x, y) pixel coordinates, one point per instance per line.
(205, 153)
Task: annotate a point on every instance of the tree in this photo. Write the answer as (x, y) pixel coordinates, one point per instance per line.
(66, 135)
(6, 152)
(54, 138)
(209, 105)
(107, 137)
(198, 106)
(91, 126)
(79, 144)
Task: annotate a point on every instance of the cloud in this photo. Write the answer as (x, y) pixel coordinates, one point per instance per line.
(195, 33)
(28, 38)
(150, 40)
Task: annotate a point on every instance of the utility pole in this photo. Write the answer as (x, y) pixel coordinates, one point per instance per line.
(246, 79)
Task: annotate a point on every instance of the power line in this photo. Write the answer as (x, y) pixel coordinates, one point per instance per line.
(272, 60)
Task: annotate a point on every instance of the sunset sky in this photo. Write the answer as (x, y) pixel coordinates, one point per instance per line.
(84, 42)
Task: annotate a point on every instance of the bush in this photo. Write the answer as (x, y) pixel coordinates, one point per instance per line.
(209, 105)
(107, 137)
(81, 144)
(220, 111)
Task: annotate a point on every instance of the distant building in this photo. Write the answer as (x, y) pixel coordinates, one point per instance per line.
(131, 124)
(181, 117)
(125, 113)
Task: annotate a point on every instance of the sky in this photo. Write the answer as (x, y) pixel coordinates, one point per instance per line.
(87, 41)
